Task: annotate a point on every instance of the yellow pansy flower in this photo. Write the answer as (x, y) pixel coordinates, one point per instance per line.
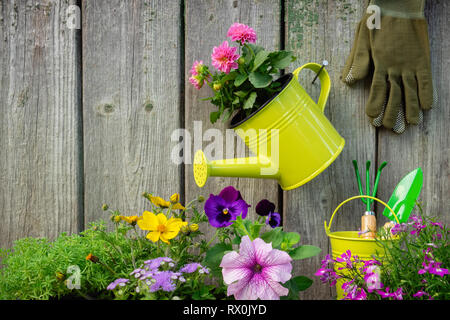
(160, 227)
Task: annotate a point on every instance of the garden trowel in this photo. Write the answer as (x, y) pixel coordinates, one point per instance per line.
(405, 195)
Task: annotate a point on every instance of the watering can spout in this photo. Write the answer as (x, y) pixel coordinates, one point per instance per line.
(252, 167)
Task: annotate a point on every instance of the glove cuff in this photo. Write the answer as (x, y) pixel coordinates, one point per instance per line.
(407, 9)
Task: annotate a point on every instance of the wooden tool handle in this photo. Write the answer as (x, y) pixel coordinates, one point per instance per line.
(368, 225)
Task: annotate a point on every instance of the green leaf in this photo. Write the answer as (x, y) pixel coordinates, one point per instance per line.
(231, 76)
(297, 284)
(281, 59)
(240, 79)
(236, 240)
(241, 226)
(214, 256)
(227, 115)
(213, 116)
(275, 236)
(260, 80)
(255, 228)
(241, 94)
(259, 59)
(304, 252)
(256, 49)
(248, 104)
(291, 238)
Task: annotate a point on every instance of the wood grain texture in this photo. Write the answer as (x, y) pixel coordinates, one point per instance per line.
(206, 25)
(131, 90)
(323, 30)
(39, 136)
(427, 145)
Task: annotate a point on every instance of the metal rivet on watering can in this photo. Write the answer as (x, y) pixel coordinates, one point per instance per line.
(324, 63)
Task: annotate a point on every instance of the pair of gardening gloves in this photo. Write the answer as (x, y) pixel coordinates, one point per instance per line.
(399, 52)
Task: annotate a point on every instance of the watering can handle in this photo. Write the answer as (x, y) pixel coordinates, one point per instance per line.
(327, 228)
(324, 82)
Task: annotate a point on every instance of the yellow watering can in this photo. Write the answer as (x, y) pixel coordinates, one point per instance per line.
(292, 138)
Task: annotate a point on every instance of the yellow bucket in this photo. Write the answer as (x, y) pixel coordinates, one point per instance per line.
(341, 241)
(292, 138)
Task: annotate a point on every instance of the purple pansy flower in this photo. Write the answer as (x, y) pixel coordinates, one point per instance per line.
(118, 282)
(274, 219)
(264, 207)
(267, 208)
(224, 208)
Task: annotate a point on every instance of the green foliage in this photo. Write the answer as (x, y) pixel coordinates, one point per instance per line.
(412, 262)
(30, 269)
(214, 256)
(248, 87)
(43, 269)
(295, 285)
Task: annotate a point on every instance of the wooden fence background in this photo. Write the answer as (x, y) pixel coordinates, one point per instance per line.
(86, 115)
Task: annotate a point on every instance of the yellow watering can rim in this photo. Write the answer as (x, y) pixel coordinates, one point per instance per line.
(324, 80)
(328, 227)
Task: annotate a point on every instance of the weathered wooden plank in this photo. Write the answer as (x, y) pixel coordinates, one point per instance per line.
(206, 26)
(427, 145)
(39, 119)
(131, 93)
(320, 30)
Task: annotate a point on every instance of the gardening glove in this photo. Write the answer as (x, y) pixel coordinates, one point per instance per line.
(400, 53)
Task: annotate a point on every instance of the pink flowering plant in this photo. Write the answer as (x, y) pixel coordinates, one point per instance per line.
(414, 266)
(244, 76)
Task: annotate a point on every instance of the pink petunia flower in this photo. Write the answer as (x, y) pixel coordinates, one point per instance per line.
(256, 271)
(241, 33)
(224, 57)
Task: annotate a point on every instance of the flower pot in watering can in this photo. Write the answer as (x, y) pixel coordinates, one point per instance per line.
(341, 241)
(292, 139)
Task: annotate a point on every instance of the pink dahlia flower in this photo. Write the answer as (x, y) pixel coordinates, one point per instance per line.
(256, 271)
(224, 57)
(197, 81)
(241, 33)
